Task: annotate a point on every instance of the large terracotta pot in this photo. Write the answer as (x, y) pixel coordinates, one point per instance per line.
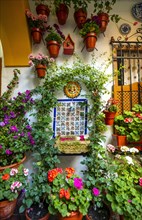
(36, 35)
(121, 140)
(80, 17)
(90, 41)
(15, 165)
(109, 117)
(41, 70)
(72, 216)
(7, 209)
(53, 48)
(43, 218)
(62, 13)
(104, 18)
(43, 9)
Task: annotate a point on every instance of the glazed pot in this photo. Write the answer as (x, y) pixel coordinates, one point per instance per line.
(7, 209)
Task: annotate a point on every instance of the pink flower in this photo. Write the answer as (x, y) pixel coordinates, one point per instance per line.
(26, 172)
(15, 186)
(13, 172)
(128, 120)
(140, 181)
(96, 191)
(110, 148)
(78, 183)
(129, 200)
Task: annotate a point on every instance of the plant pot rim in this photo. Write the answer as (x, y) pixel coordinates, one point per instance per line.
(14, 164)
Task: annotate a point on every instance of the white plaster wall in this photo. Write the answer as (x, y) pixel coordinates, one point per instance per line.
(28, 79)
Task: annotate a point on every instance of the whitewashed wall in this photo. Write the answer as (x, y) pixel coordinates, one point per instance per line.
(28, 79)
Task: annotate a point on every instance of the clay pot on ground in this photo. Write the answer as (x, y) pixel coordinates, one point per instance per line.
(62, 13)
(90, 41)
(121, 140)
(42, 9)
(80, 17)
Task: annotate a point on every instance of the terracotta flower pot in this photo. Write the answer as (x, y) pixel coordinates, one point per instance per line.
(72, 216)
(109, 117)
(104, 18)
(41, 70)
(80, 17)
(62, 13)
(53, 48)
(121, 140)
(90, 41)
(43, 218)
(7, 209)
(43, 9)
(15, 165)
(36, 35)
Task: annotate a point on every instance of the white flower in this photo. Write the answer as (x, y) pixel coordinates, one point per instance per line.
(86, 136)
(13, 172)
(134, 150)
(26, 172)
(110, 148)
(124, 149)
(129, 160)
(118, 156)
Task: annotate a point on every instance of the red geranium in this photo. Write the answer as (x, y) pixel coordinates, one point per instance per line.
(6, 176)
(53, 173)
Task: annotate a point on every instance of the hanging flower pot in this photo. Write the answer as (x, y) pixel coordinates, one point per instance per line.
(7, 209)
(109, 117)
(42, 9)
(41, 70)
(53, 48)
(72, 216)
(62, 13)
(80, 17)
(36, 35)
(90, 41)
(104, 19)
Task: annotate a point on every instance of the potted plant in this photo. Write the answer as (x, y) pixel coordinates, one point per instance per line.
(129, 124)
(125, 182)
(89, 32)
(15, 130)
(62, 10)
(102, 9)
(54, 40)
(80, 11)
(37, 25)
(68, 195)
(12, 181)
(42, 7)
(40, 62)
(110, 111)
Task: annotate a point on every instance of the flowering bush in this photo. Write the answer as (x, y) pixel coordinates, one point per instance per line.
(12, 181)
(15, 131)
(124, 188)
(130, 124)
(68, 192)
(40, 59)
(36, 21)
(55, 34)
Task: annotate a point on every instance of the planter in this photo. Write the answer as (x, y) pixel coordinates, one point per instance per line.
(72, 216)
(7, 209)
(80, 17)
(53, 48)
(62, 13)
(41, 70)
(121, 140)
(104, 19)
(34, 214)
(43, 9)
(90, 41)
(15, 165)
(36, 35)
(103, 212)
(109, 117)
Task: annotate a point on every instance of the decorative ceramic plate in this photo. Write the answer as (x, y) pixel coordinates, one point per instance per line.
(125, 29)
(72, 89)
(137, 11)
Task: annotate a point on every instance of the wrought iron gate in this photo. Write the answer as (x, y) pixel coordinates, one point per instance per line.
(127, 71)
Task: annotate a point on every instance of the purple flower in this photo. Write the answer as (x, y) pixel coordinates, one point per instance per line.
(129, 200)
(29, 127)
(2, 124)
(22, 134)
(32, 141)
(13, 128)
(0, 146)
(8, 152)
(15, 137)
(78, 183)
(19, 93)
(96, 191)
(12, 114)
(28, 92)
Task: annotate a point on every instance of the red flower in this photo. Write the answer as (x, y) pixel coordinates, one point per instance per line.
(128, 120)
(70, 171)
(135, 23)
(139, 115)
(140, 181)
(53, 173)
(5, 176)
(64, 193)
